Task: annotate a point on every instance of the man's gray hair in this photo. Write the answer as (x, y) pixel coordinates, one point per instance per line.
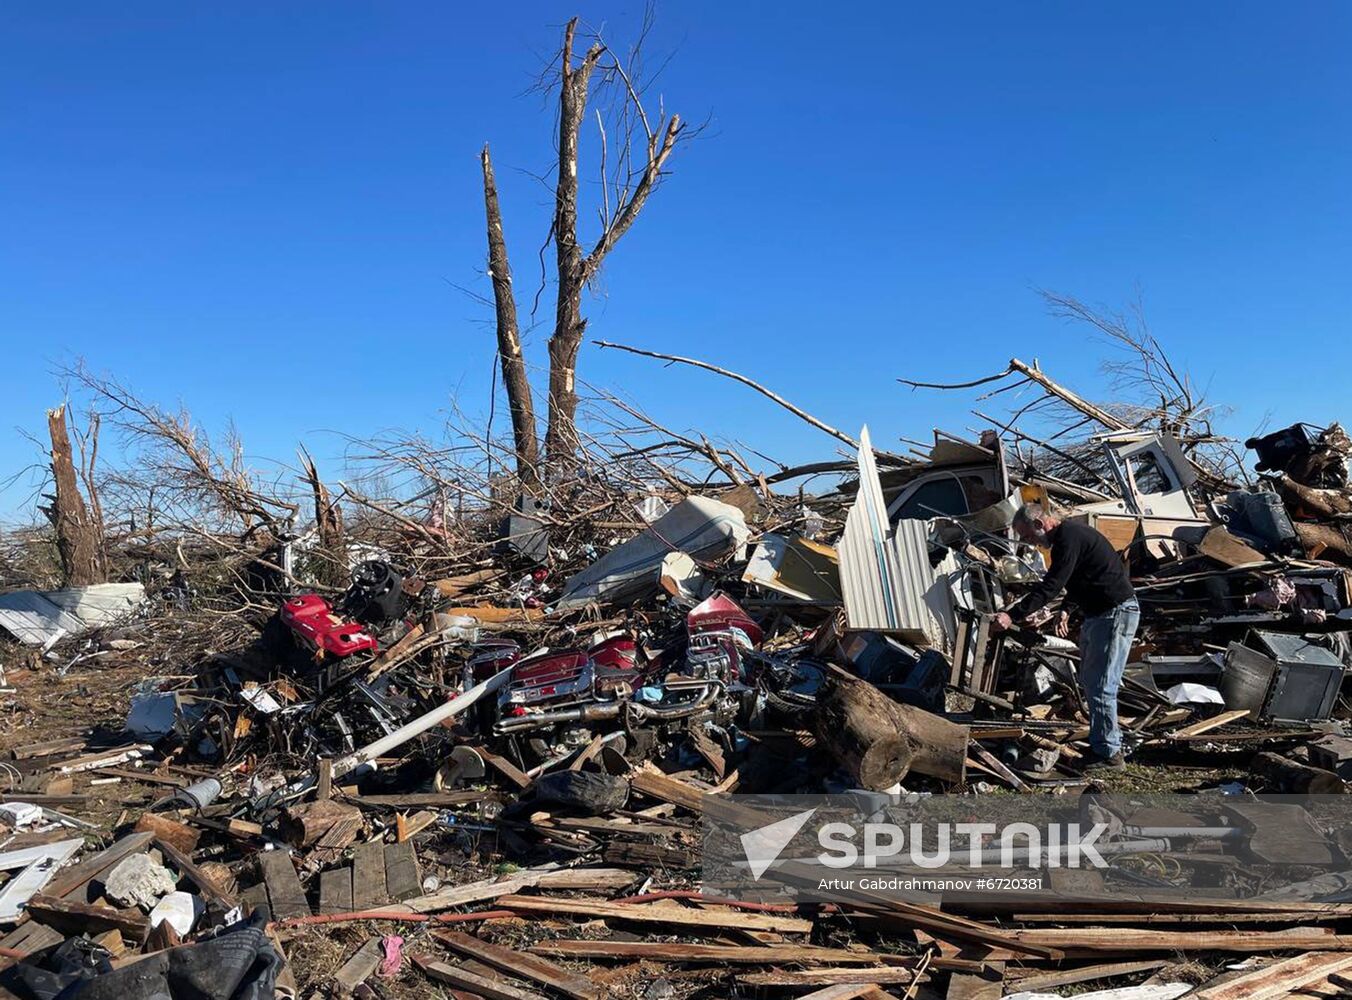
(1029, 513)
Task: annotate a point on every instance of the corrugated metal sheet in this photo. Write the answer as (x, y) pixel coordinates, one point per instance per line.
(889, 585)
(35, 617)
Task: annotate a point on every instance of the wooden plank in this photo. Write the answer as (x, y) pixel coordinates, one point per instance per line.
(325, 789)
(335, 890)
(704, 954)
(506, 768)
(1089, 940)
(196, 876)
(414, 800)
(872, 978)
(48, 748)
(1085, 974)
(588, 752)
(467, 980)
(402, 879)
(1206, 725)
(657, 913)
(1280, 979)
(76, 918)
(869, 991)
(523, 966)
(72, 880)
(357, 969)
(989, 984)
(586, 879)
(285, 895)
(368, 876)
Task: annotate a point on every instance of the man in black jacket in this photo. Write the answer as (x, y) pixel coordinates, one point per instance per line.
(1095, 579)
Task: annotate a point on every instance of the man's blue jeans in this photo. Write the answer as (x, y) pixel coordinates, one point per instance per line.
(1105, 643)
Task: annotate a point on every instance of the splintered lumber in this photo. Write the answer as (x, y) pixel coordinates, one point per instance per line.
(1077, 940)
(516, 963)
(705, 954)
(1206, 725)
(368, 876)
(285, 895)
(880, 741)
(585, 879)
(480, 985)
(1279, 979)
(1282, 774)
(335, 890)
(1085, 974)
(76, 918)
(657, 913)
(402, 879)
(648, 856)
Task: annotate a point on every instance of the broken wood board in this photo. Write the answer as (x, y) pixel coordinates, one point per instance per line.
(368, 876)
(1085, 974)
(1279, 979)
(583, 879)
(521, 965)
(285, 896)
(1206, 725)
(657, 913)
(76, 918)
(705, 954)
(357, 969)
(335, 890)
(402, 877)
(830, 977)
(1090, 940)
(480, 985)
(205, 884)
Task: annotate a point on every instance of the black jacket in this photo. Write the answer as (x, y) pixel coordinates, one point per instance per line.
(1085, 566)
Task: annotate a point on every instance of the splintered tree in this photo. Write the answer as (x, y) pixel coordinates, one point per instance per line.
(79, 531)
(634, 147)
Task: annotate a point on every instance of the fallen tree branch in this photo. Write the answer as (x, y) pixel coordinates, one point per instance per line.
(768, 393)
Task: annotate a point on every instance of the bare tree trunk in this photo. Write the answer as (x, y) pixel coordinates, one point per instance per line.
(509, 339)
(332, 568)
(561, 435)
(78, 537)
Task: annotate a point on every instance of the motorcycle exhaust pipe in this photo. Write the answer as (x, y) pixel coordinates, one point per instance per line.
(583, 713)
(649, 713)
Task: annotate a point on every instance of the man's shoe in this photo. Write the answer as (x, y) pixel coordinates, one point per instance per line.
(1093, 762)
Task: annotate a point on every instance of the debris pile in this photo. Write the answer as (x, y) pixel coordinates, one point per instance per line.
(492, 781)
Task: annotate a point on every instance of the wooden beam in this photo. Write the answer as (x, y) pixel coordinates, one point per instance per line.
(657, 913)
(480, 985)
(522, 965)
(684, 952)
(76, 918)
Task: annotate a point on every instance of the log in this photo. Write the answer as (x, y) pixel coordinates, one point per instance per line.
(183, 837)
(305, 824)
(1294, 778)
(879, 741)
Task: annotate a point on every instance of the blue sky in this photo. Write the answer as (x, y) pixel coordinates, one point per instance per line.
(259, 210)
